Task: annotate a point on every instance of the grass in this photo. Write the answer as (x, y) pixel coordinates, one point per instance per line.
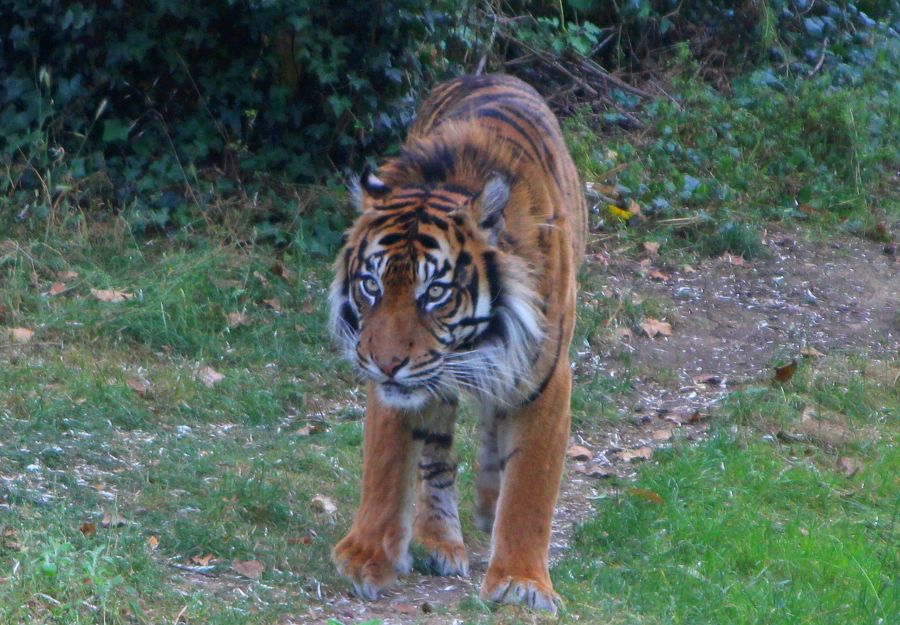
(747, 529)
(104, 414)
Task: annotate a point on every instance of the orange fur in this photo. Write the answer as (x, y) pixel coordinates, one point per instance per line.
(459, 278)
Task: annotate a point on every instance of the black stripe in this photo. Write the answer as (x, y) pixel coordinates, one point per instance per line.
(391, 239)
(428, 241)
(543, 386)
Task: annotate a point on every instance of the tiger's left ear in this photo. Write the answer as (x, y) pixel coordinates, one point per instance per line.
(367, 185)
(490, 205)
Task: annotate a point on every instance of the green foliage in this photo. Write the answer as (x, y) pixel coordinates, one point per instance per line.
(157, 106)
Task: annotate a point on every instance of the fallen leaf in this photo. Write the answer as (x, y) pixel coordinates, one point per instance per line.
(579, 453)
(646, 494)
(405, 608)
(88, 529)
(617, 212)
(201, 560)
(112, 519)
(273, 303)
(651, 247)
(688, 269)
(592, 470)
(736, 261)
(152, 543)
(279, 269)
(301, 540)
(641, 453)
(662, 434)
(237, 319)
(656, 274)
(849, 466)
(248, 568)
(304, 431)
(654, 327)
(806, 208)
(21, 335)
(210, 377)
(811, 352)
(66, 276)
(57, 287)
(709, 379)
(324, 504)
(139, 386)
(111, 296)
(634, 208)
(784, 374)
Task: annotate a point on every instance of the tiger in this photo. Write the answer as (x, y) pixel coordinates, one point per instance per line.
(458, 279)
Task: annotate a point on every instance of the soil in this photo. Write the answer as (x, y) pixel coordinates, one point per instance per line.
(732, 322)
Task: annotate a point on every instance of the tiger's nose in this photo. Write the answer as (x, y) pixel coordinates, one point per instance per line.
(390, 368)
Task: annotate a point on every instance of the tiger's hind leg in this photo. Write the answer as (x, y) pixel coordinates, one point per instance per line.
(436, 526)
(487, 482)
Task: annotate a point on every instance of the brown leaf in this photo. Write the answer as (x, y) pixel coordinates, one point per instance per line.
(304, 431)
(21, 335)
(849, 466)
(651, 247)
(237, 319)
(57, 287)
(273, 303)
(139, 386)
(210, 377)
(656, 274)
(579, 453)
(279, 269)
(811, 352)
(112, 519)
(66, 276)
(736, 261)
(252, 569)
(300, 540)
(152, 543)
(806, 208)
(646, 494)
(688, 269)
(111, 296)
(654, 327)
(784, 374)
(405, 608)
(324, 504)
(88, 529)
(641, 453)
(634, 208)
(662, 434)
(201, 560)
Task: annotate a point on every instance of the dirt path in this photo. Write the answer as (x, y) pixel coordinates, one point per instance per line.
(731, 322)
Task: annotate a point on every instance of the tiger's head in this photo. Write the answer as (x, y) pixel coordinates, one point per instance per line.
(425, 302)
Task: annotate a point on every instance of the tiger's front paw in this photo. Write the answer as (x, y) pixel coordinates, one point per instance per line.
(520, 590)
(364, 561)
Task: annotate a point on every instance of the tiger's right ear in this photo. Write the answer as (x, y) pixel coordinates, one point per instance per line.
(368, 185)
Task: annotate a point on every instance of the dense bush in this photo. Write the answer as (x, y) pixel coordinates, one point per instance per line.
(163, 109)
(143, 96)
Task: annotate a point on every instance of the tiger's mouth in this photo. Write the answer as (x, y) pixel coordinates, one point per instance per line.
(403, 396)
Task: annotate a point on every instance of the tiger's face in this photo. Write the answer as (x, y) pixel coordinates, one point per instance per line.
(423, 301)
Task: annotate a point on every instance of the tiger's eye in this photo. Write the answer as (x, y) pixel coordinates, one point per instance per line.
(436, 292)
(370, 286)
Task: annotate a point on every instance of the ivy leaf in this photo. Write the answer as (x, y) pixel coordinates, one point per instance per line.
(114, 130)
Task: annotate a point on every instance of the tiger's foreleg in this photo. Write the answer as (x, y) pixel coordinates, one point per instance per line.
(531, 442)
(376, 548)
(487, 481)
(436, 526)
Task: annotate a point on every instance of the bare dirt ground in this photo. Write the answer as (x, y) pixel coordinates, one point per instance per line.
(731, 322)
